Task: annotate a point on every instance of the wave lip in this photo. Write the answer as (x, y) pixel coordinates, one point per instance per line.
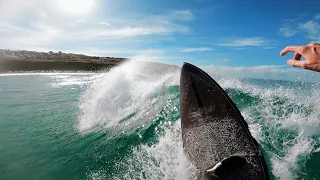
(131, 89)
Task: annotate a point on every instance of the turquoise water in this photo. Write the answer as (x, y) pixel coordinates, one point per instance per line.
(124, 124)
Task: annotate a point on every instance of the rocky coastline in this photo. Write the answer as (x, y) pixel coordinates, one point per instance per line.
(26, 61)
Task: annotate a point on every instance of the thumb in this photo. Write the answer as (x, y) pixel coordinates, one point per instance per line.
(296, 63)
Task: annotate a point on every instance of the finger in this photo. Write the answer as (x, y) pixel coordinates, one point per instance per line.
(295, 63)
(314, 44)
(297, 56)
(314, 50)
(296, 49)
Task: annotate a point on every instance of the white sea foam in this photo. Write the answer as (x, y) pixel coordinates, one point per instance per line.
(163, 161)
(60, 80)
(135, 88)
(284, 166)
(255, 130)
(293, 116)
(132, 88)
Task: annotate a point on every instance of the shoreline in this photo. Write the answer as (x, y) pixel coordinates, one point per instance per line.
(17, 61)
(17, 65)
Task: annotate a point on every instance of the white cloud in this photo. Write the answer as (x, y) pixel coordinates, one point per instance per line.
(39, 24)
(309, 28)
(129, 32)
(282, 72)
(287, 31)
(244, 42)
(184, 15)
(270, 47)
(103, 23)
(312, 28)
(154, 55)
(10, 9)
(4, 26)
(36, 35)
(199, 49)
(46, 35)
(100, 51)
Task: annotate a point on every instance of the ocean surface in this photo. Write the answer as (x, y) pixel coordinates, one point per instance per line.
(124, 124)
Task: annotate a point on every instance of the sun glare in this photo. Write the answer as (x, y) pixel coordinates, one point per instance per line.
(76, 6)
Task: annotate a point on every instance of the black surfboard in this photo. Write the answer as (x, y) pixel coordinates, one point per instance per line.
(215, 136)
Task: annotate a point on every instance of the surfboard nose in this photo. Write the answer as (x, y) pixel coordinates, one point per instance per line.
(202, 100)
(186, 64)
(199, 96)
(187, 67)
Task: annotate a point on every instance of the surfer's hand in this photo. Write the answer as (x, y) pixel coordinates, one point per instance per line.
(310, 52)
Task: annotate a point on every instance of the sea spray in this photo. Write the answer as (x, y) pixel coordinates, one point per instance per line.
(124, 124)
(164, 160)
(289, 121)
(133, 90)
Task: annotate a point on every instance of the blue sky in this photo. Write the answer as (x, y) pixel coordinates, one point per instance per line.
(204, 32)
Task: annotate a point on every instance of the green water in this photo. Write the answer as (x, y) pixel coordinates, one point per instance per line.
(125, 125)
